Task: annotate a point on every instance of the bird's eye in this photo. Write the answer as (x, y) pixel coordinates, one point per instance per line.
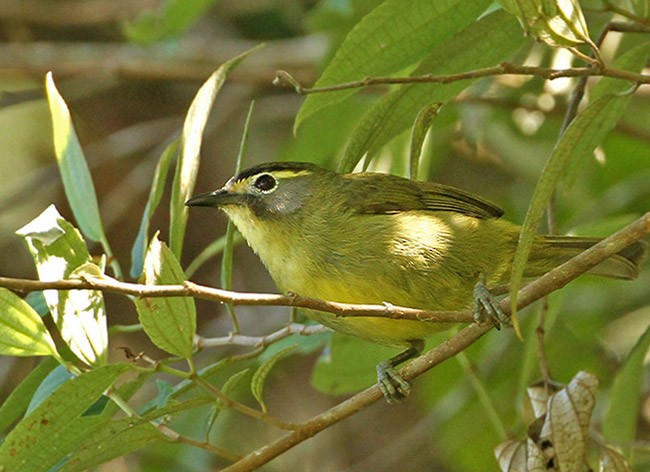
(265, 183)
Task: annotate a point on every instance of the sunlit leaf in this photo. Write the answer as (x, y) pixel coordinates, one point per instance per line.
(170, 322)
(188, 162)
(60, 253)
(559, 23)
(34, 443)
(155, 194)
(77, 181)
(389, 39)
(22, 332)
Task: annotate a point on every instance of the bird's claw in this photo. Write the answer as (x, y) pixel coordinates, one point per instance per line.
(394, 388)
(487, 307)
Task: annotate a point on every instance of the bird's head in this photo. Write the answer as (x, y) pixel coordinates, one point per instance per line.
(266, 191)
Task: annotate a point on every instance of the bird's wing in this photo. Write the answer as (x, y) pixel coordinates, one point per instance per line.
(383, 194)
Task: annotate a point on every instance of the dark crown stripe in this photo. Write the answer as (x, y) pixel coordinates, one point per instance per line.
(278, 166)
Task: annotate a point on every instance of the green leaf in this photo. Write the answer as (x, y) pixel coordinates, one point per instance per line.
(580, 139)
(188, 162)
(228, 386)
(34, 444)
(334, 374)
(389, 39)
(57, 377)
(420, 128)
(170, 322)
(111, 439)
(172, 18)
(60, 253)
(211, 250)
(18, 400)
(77, 181)
(22, 332)
(493, 38)
(155, 194)
(259, 377)
(625, 398)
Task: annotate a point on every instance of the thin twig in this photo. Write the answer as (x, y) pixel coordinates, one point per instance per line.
(261, 341)
(505, 68)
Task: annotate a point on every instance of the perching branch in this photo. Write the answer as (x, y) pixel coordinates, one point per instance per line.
(553, 280)
(189, 289)
(505, 68)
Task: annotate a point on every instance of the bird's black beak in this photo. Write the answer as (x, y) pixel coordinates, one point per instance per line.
(213, 199)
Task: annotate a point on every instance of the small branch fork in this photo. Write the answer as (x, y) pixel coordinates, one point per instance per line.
(553, 280)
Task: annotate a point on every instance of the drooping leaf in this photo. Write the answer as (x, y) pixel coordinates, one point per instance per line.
(34, 444)
(388, 40)
(420, 128)
(170, 322)
(625, 399)
(22, 332)
(155, 194)
(259, 377)
(227, 388)
(567, 421)
(77, 181)
(59, 253)
(188, 162)
(582, 136)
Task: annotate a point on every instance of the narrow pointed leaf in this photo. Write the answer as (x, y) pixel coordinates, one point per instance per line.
(31, 445)
(22, 332)
(389, 39)
(419, 132)
(155, 194)
(77, 181)
(259, 377)
(170, 322)
(58, 251)
(188, 163)
(625, 399)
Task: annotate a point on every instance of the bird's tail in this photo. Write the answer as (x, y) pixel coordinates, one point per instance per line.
(623, 265)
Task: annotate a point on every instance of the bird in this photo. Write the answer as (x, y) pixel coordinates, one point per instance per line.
(376, 238)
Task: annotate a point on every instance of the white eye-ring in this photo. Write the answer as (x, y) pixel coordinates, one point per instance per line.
(265, 183)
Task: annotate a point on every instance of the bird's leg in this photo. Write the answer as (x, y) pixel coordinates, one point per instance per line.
(391, 384)
(486, 305)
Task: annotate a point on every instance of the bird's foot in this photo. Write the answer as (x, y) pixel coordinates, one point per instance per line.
(486, 306)
(391, 384)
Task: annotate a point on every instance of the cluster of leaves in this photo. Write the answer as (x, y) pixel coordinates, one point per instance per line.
(68, 421)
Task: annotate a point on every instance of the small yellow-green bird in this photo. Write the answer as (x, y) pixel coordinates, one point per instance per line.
(377, 238)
